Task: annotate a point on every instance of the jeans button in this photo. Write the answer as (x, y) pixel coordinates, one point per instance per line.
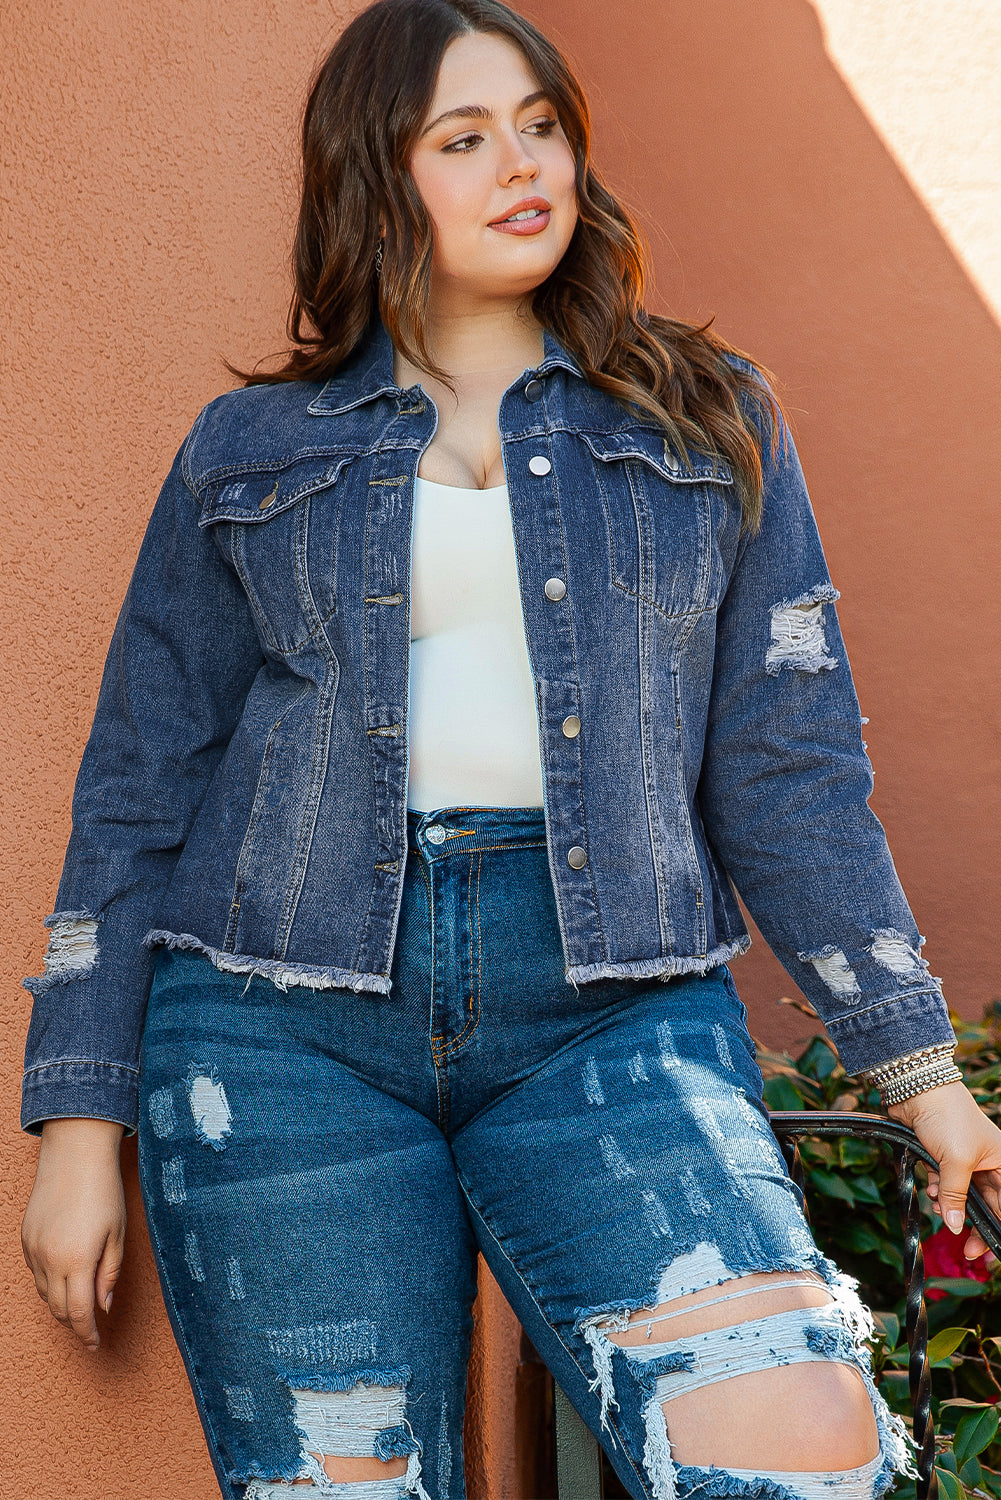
(571, 726)
(533, 390)
(539, 464)
(555, 588)
(434, 833)
(576, 857)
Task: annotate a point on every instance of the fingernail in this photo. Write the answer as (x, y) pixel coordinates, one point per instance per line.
(954, 1219)
(107, 1302)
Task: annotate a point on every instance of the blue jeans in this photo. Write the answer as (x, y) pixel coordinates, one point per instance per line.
(319, 1169)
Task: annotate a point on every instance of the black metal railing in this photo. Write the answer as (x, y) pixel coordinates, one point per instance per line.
(578, 1456)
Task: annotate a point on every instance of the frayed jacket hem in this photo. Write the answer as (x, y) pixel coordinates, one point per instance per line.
(281, 974)
(659, 968)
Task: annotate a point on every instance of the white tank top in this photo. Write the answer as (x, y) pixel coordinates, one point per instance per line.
(474, 727)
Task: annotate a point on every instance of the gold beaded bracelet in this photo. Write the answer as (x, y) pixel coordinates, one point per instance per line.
(914, 1073)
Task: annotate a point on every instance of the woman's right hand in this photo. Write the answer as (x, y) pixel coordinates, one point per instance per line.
(73, 1231)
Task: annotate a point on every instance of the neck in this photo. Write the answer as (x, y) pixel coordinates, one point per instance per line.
(480, 343)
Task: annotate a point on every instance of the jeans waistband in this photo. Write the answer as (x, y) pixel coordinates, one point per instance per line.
(463, 830)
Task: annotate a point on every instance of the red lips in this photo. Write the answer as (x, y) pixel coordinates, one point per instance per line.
(526, 203)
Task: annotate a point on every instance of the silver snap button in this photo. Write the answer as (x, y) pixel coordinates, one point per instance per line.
(671, 459)
(576, 857)
(269, 499)
(533, 390)
(434, 833)
(571, 726)
(539, 465)
(555, 588)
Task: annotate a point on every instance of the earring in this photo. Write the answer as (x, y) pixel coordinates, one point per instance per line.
(378, 259)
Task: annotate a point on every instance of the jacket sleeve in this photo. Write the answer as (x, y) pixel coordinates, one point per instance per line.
(785, 786)
(182, 658)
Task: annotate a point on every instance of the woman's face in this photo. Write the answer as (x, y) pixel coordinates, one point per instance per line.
(500, 151)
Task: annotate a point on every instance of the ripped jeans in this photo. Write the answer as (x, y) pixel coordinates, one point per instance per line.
(320, 1167)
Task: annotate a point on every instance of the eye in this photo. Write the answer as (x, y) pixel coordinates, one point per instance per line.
(544, 127)
(463, 145)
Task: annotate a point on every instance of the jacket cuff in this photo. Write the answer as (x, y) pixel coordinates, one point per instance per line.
(80, 1089)
(890, 1028)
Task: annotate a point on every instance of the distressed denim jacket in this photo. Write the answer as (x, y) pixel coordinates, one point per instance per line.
(243, 792)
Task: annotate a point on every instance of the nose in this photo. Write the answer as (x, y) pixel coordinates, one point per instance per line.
(517, 162)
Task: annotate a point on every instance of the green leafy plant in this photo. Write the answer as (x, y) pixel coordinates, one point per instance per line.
(852, 1197)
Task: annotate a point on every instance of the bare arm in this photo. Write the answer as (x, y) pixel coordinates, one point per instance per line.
(73, 1232)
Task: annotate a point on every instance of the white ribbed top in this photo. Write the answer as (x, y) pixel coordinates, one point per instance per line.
(474, 728)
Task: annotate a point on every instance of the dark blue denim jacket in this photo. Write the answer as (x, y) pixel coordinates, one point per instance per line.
(243, 792)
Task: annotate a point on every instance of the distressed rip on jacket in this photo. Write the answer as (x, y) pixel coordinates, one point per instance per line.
(243, 792)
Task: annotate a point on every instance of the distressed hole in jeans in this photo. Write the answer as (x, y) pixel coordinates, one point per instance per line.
(708, 1356)
(209, 1107)
(355, 1443)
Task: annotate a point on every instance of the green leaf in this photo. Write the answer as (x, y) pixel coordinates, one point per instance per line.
(888, 1324)
(819, 1059)
(780, 1093)
(985, 1075)
(815, 1151)
(971, 1472)
(957, 1286)
(975, 1432)
(890, 1255)
(857, 1153)
(830, 1184)
(865, 1189)
(949, 1485)
(946, 1342)
(861, 1238)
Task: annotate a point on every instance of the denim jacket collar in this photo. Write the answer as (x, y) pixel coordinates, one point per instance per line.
(369, 372)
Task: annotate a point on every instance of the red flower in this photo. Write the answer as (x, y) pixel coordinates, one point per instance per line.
(944, 1257)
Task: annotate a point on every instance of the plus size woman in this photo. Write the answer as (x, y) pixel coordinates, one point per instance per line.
(472, 662)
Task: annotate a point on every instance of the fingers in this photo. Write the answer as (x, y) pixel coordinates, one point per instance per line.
(108, 1270)
(80, 1309)
(974, 1246)
(71, 1302)
(953, 1184)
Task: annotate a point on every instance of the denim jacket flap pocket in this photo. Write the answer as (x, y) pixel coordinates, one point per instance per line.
(665, 518)
(654, 448)
(250, 495)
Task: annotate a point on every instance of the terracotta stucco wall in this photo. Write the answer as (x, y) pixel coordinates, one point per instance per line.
(835, 206)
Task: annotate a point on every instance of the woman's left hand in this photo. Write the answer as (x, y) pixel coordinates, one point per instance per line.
(951, 1125)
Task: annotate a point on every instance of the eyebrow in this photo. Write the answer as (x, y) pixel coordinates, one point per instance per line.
(480, 111)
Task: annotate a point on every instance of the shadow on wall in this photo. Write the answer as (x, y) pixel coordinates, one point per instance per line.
(771, 201)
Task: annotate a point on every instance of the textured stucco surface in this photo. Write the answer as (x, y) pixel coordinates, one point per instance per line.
(927, 76)
(831, 209)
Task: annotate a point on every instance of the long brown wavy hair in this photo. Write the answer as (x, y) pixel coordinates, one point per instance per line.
(366, 107)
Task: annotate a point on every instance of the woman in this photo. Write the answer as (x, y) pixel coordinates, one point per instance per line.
(466, 660)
